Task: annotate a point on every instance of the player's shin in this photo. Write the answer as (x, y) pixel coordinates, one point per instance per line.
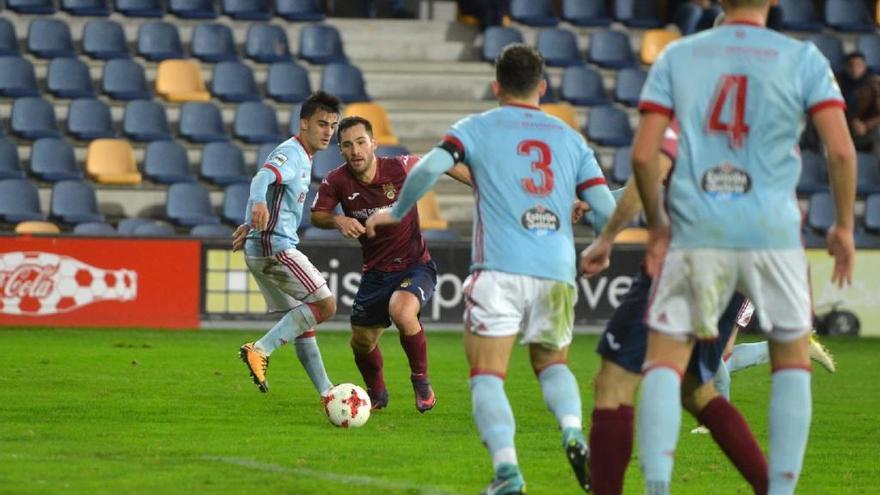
(659, 424)
(611, 439)
(416, 348)
(371, 364)
(309, 356)
(294, 323)
(732, 434)
(494, 418)
(563, 398)
(790, 415)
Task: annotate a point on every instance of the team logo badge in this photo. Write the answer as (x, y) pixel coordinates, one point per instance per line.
(390, 192)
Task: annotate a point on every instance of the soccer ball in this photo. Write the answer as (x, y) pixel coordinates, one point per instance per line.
(347, 405)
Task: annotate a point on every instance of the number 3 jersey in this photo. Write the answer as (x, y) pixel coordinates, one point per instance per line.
(527, 168)
(739, 93)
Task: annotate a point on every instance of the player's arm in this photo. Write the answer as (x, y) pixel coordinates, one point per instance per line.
(647, 174)
(323, 213)
(461, 173)
(264, 178)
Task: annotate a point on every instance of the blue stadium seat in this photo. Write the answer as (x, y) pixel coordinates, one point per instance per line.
(621, 168)
(154, 228)
(223, 164)
(188, 204)
(17, 77)
(637, 13)
(127, 226)
(31, 6)
(687, 18)
(587, 14)
(872, 213)
(52, 160)
(140, 8)
(69, 78)
(264, 150)
(392, 151)
(201, 122)
(495, 38)
(86, 7)
(294, 122)
(124, 79)
(96, 229)
(49, 38)
(300, 10)
(820, 212)
(609, 126)
(441, 235)
(166, 162)
(255, 122)
(800, 15)
(559, 47)
(869, 45)
(868, 174)
(211, 231)
(611, 50)
(551, 95)
(34, 118)
(192, 9)
(582, 85)
(628, 85)
(89, 118)
(19, 201)
(145, 120)
(288, 82)
(103, 40)
(233, 81)
(814, 173)
(831, 47)
(325, 161)
(266, 43)
(158, 40)
(74, 201)
(345, 81)
(235, 200)
(316, 234)
(10, 165)
(533, 12)
(320, 44)
(8, 38)
(213, 42)
(849, 16)
(248, 10)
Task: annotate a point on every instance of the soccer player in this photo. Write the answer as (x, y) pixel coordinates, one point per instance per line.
(398, 274)
(526, 169)
(289, 282)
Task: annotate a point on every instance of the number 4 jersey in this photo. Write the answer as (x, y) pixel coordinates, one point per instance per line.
(739, 93)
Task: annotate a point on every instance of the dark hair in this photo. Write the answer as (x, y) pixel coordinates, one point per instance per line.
(519, 69)
(320, 100)
(352, 121)
(855, 55)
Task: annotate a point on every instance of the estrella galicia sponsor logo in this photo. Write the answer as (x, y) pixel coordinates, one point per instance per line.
(726, 180)
(540, 220)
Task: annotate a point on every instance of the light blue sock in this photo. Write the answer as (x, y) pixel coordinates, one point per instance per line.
(791, 407)
(748, 355)
(722, 380)
(310, 357)
(563, 398)
(659, 424)
(293, 324)
(494, 418)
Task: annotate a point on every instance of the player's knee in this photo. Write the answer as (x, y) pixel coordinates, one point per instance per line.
(326, 309)
(362, 342)
(402, 315)
(697, 399)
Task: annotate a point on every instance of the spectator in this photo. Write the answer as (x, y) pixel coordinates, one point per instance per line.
(862, 95)
(486, 12)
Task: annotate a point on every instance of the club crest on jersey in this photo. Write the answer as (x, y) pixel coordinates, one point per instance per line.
(390, 192)
(725, 180)
(406, 283)
(540, 220)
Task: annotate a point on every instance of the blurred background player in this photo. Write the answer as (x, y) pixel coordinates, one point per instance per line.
(399, 275)
(526, 168)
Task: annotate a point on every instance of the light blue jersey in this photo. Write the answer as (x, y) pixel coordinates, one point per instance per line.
(282, 183)
(740, 93)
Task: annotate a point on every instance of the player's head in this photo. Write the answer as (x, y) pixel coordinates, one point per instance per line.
(748, 4)
(519, 73)
(357, 144)
(318, 118)
(856, 67)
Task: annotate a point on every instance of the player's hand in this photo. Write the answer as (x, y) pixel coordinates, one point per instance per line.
(859, 127)
(349, 227)
(239, 236)
(655, 251)
(578, 210)
(380, 219)
(259, 216)
(842, 248)
(596, 257)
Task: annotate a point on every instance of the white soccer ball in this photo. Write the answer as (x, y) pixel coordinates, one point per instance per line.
(347, 405)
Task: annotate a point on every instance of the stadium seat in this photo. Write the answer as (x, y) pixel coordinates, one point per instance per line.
(111, 161)
(266, 43)
(124, 79)
(235, 200)
(632, 235)
(49, 38)
(820, 212)
(563, 111)
(533, 12)
(69, 78)
(429, 213)
(233, 81)
(300, 10)
(800, 15)
(848, 16)
(637, 13)
(391, 151)
(166, 162)
(621, 168)
(559, 47)
(687, 17)
(586, 14)
(89, 118)
(223, 164)
(814, 173)
(256, 122)
(442, 235)
(188, 204)
(321, 44)
(495, 38)
(8, 38)
(378, 117)
(609, 126)
(145, 120)
(831, 47)
(127, 226)
(37, 227)
(247, 10)
(180, 81)
(288, 82)
(154, 228)
(158, 40)
(213, 42)
(34, 118)
(293, 129)
(96, 229)
(628, 85)
(869, 45)
(140, 8)
(653, 43)
(325, 161)
(201, 122)
(192, 9)
(10, 165)
(868, 174)
(211, 231)
(345, 81)
(86, 7)
(611, 50)
(52, 160)
(19, 201)
(552, 94)
(31, 6)
(74, 201)
(17, 77)
(872, 213)
(104, 40)
(264, 150)
(582, 85)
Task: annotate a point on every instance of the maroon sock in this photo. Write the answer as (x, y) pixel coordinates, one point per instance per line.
(416, 348)
(732, 434)
(370, 366)
(611, 439)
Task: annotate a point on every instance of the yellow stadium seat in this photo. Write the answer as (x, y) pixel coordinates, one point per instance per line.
(37, 228)
(654, 41)
(181, 80)
(563, 111)
(111, 161)
(633, 235)
(378, 118)
(429, 213)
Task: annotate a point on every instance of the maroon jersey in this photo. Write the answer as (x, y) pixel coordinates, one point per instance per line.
(394, 248)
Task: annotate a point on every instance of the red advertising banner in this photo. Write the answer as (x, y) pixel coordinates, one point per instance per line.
(60, 281)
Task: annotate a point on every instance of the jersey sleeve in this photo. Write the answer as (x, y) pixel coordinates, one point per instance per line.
(657, 93)
(589, 173)
(283, 163)
(819, 86)
(409, 161)
(327, 197)
(460, 140)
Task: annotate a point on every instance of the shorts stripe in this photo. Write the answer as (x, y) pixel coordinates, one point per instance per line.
(468, 302)
(297, 271)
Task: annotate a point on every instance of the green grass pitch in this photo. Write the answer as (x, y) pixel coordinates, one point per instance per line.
(156, 412)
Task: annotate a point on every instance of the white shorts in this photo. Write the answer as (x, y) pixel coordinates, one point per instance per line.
(287, 279)
(499, 304)
(695, 285)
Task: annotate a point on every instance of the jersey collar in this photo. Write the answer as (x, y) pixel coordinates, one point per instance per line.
(521, 105)
(303, 146)
(744, 22)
